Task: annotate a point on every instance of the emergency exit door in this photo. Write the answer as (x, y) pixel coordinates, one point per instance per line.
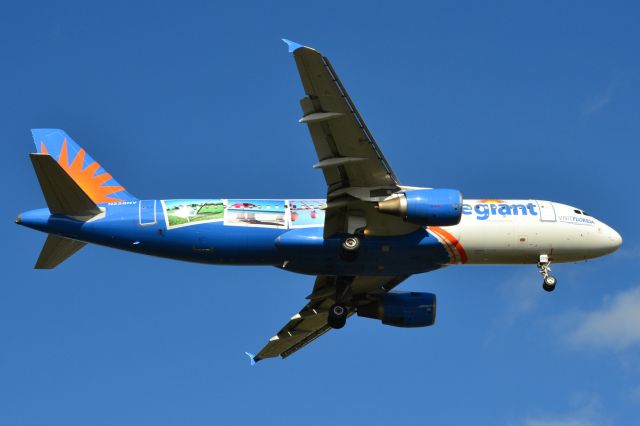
(147, 212)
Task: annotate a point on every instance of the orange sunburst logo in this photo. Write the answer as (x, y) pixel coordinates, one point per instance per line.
(92, 185)
(491, 201)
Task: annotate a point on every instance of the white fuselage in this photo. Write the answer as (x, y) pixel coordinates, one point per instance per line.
(519, 231)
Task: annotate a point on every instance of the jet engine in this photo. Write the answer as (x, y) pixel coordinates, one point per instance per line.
(436, 207)
(402, 309)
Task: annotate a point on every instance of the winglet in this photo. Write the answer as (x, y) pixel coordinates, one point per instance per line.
(252, 357)
(293, 46)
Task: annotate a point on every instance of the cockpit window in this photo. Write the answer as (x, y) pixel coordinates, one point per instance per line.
(577, 211)
(585, 213)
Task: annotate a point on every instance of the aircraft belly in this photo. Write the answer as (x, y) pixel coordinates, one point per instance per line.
(207, 242)
(217, 243)
(502, 240)
(305, 251)
(521, 240)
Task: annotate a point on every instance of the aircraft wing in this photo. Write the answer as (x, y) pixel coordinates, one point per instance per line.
(354, 167)
(311, 322)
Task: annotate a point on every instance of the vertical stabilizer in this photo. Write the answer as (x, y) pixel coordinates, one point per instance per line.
(90, 176)
(61, 192)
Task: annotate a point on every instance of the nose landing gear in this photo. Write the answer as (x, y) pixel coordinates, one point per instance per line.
(549, 281)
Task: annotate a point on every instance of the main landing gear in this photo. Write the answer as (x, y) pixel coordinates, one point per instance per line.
(349, 248)
(549, 281)
(339, 312)
(337, 316)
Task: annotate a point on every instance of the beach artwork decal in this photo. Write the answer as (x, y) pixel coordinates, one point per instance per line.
(249, 212)
(307, 213)
(180, 213)
(253, 212)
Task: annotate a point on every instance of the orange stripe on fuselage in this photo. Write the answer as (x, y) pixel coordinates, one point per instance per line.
(451, 240)
(451, 250)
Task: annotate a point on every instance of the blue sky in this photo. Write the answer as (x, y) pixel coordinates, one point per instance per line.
(200, 99)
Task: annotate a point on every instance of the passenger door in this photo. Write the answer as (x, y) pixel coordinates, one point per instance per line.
(147, 212)
(547, 212)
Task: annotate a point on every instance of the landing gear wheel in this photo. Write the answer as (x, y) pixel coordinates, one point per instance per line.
(351, 243)
(549, 283)
(349, 248)
(337, 316)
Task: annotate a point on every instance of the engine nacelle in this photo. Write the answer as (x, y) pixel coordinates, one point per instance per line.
(436, 207)
(402, 309)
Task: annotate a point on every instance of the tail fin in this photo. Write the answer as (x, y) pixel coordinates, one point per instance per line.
(56, 250)
(61, 192)
(92, 178)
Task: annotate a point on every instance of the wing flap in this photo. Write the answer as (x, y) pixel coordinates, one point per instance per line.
(311, 322)
(304, 342)
(299, 331)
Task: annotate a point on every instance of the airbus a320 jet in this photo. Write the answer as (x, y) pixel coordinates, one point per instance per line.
(368, 235)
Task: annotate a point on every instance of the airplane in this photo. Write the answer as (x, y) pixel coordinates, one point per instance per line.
(369, 235)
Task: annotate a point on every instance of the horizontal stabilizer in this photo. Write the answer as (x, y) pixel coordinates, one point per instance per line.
(61, 192)
(56, 250)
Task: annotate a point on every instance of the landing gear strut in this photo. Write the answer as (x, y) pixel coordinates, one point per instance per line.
(338, 312)
(549, 281)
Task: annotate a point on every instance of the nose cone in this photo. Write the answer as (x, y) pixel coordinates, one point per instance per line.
(614, 240)
(608, 239)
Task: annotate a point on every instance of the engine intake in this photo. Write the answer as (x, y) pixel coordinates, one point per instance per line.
(402, 309)
(436, 207)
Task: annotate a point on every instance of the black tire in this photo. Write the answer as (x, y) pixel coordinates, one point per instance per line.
(348, 256)
(337, 316)
(548, 287)
(337, 324)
